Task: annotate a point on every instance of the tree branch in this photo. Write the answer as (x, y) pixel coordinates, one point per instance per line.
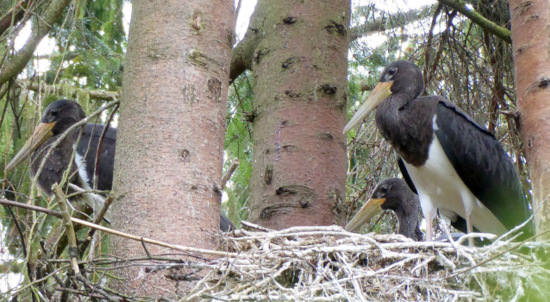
(382, 24)
(40, 87)
(13, 16)
(41, 27)
(69, 229)
(478, 19)
(229, 172)
(118, 233)
(241, 55)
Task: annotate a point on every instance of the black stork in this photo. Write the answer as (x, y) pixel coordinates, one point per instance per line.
(392, 194)
(57, 118)
(456, 165)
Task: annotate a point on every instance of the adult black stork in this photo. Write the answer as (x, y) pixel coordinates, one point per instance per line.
(392, 194)
(57, 118)
(456, 165)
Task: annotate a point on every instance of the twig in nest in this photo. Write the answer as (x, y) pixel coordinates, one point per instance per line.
(253, 226)
(95, 288)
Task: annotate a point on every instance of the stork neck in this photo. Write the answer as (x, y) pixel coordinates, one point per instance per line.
(408, 220)
(406, 123)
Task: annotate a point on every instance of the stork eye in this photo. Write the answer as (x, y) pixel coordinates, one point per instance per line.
(388, 76)
(54, 112)
(383, 189)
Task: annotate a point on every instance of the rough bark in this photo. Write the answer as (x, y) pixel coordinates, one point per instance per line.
(242, 55)
(300, 67)
(531, 45)
(172, 122)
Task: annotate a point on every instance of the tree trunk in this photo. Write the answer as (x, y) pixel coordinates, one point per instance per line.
(300, 68)
(172, 123)
(531, 40)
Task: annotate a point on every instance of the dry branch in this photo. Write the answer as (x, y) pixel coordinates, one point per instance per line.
(117, 233)
(229, 172)
(478, 19)
(41, 87)
(327, 263)
(389, 22)
(42, 25)
(70, 232)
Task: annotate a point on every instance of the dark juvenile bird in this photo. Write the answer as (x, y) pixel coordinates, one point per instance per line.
(455, 164)
(225, 224)
(392, 194)
(57, 118)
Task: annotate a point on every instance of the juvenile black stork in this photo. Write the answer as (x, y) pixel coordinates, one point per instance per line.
(456, 165)
(392, 194)
(57, 118)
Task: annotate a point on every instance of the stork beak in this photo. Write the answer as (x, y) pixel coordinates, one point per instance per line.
(369, 209)
(42, 132)
(380, 93)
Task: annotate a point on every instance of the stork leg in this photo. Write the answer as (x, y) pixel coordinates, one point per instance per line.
(468, 200)
(429, 229)
(429, 214)
(470, 229)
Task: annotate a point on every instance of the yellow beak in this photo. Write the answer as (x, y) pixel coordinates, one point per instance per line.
(41, 133)
(380, 93)
(369, 209)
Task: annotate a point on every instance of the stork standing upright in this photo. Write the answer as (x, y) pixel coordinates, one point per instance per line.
(456, 165)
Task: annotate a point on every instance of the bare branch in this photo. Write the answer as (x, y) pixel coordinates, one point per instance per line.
(41, 27)
(73, 248)
(478, 19)
(388, 22)
(242, 54)
(229, 172)
(41, 87)
(118, 233)
(13, 16)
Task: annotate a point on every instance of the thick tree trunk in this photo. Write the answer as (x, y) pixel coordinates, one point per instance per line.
(300, 67)
(531, 44)
(172, 123)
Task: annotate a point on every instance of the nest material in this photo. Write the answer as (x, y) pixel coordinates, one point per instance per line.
(330, 264)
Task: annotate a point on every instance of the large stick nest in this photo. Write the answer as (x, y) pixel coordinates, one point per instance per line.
(330, 264)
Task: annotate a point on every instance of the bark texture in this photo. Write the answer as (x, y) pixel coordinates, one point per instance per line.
(531, 45)
(300, 67)
(172, 123)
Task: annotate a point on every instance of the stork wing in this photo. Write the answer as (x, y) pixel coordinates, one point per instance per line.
(87, 146)
(482, 164)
